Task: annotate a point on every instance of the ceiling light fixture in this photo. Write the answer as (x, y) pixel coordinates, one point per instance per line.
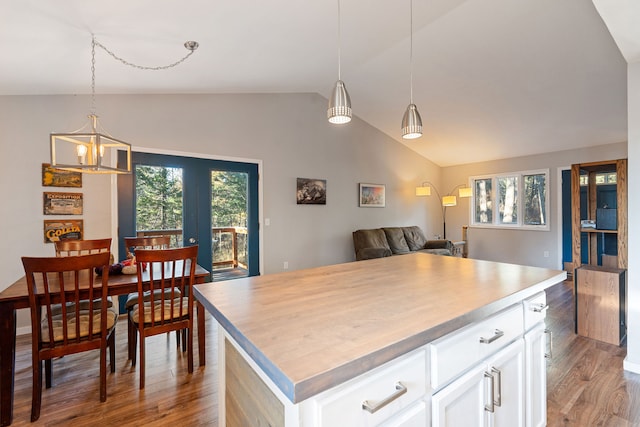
(411, 121)
(94, 152)
(339, 111)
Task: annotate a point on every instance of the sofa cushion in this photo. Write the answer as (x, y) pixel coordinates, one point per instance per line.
(373, 238)
(396, 240)
(414, 237)
(372, 253)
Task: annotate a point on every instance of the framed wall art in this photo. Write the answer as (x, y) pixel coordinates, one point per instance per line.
(372, 196)
(54, 177)
(311, 191)
(63, 229)
(62, 203)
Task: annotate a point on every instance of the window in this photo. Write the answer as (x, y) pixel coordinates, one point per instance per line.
(601, 178)
(521, 200)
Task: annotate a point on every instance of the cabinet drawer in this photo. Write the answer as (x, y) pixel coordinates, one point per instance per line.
(454, 353)
(343, 406)
(535, 310)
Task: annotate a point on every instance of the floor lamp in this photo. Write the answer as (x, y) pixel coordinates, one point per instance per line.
(446, 201)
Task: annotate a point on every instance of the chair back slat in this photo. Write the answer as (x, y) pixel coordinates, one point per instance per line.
(82, 247)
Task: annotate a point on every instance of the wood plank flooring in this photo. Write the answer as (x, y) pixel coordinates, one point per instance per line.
(586, 383)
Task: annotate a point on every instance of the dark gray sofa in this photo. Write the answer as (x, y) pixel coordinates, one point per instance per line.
(387, 241)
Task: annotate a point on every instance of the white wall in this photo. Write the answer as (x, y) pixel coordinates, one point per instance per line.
(288, 133)
(632, 361)
(520, 246)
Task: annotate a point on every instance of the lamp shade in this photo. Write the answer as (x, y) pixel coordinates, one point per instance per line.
(423, 191)
(339, 110)
(411, 123)
(89, 152)
(449, 201)
(465, 192)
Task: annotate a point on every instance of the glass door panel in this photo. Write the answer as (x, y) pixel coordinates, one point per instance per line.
(229, 214)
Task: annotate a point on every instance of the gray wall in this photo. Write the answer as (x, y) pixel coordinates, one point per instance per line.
(288, 134)
(519, 246)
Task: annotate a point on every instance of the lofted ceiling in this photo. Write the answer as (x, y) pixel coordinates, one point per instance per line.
(492, 78)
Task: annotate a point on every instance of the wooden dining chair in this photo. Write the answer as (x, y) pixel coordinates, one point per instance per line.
(171, 273)
(78, 328)
(82, 247)
(132, 244)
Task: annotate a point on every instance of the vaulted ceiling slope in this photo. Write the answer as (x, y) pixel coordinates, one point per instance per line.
(492, 78)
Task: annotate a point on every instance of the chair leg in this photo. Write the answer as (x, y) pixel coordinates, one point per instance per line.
(36, 393)
(103, 371)
(48, 374)
(112, 350)
(189, 349)
(134, 343)
(131, 330)
(184, 340)
(142, 359)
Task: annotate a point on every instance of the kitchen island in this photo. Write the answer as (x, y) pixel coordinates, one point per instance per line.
(296, 347)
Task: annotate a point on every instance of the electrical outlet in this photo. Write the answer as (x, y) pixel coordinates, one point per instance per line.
(546, 254)
(285, 265)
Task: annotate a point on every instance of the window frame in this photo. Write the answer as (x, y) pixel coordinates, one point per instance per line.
(496, 222)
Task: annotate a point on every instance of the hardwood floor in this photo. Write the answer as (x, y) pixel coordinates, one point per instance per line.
(171, 396)
(586, 383)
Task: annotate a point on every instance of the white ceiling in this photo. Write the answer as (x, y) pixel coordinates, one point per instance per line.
(492, 78)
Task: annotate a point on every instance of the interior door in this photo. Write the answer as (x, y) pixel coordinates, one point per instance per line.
(199, 201)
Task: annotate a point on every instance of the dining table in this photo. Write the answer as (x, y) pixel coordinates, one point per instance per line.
(16, 297)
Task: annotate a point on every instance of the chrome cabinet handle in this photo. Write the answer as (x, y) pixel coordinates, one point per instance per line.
(374, 407)
(491, 405)
(496, 334)
(549, 354)
(539, 308)
(498, 398)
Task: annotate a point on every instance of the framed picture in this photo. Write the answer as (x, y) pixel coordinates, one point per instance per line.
(54, 177)
(311, 191)
(62, 203)
(371, 195)
(63, 229)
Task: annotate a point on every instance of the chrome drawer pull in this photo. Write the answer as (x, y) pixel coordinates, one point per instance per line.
(539, 308)
(372, 408)
(491, 405)
(496, 334)
(549, 354)
(498, 400)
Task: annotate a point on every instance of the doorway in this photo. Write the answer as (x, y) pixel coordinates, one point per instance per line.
(211, 203)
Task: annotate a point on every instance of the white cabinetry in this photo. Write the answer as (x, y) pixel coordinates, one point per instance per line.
(536, 354)
(490, 394)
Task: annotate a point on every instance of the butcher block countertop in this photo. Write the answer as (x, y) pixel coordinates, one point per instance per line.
(310, 330)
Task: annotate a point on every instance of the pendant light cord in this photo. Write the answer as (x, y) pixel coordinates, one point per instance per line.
(339, 40)
(411, 52)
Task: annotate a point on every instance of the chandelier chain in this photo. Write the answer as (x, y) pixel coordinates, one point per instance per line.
(93, 77)
(142, 67)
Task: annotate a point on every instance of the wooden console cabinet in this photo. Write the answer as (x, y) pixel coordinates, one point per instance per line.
(600, 306)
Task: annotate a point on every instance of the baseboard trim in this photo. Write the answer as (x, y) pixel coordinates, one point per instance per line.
(23, 330)
(630, 366)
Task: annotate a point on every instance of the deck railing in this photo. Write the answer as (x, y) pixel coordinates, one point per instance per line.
(176, 241)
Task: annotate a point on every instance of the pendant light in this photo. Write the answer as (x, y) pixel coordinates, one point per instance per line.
(411, 121)
(93, 152)
(339, 111)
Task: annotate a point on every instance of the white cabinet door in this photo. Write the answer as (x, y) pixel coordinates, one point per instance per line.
(507, 369)
(490, 394)
(536, 380)
(462, 402)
